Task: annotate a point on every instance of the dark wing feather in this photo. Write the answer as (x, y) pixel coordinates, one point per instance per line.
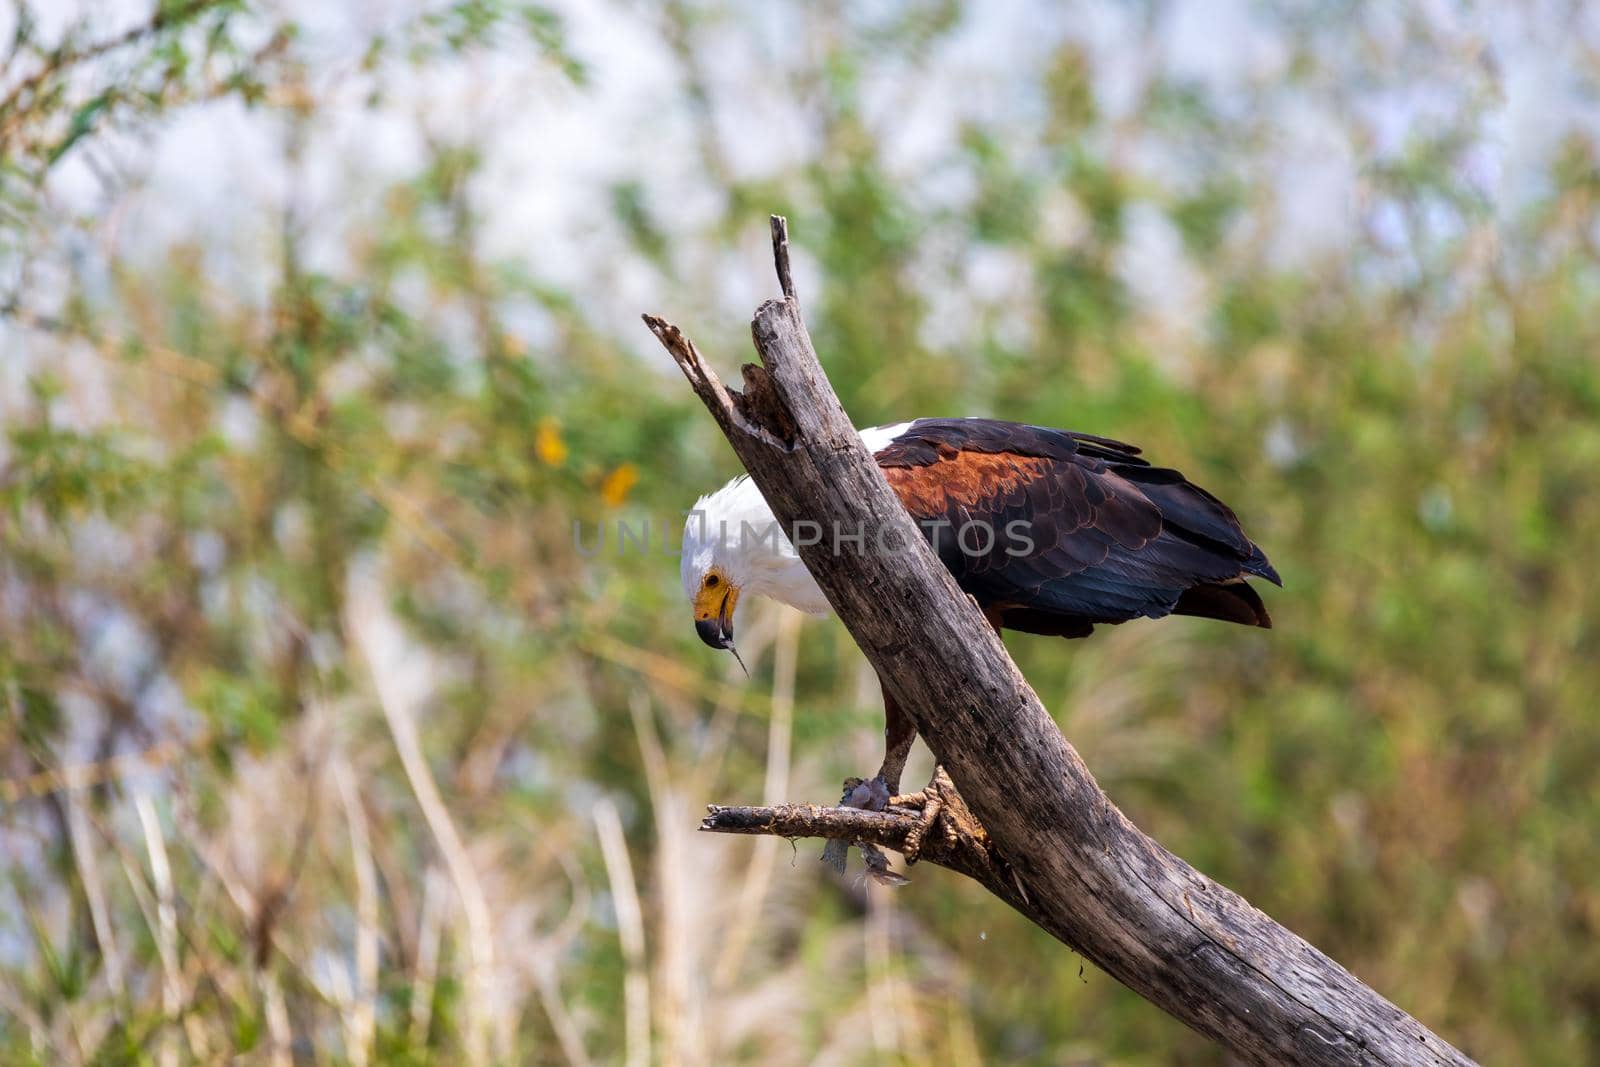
(1105, 537)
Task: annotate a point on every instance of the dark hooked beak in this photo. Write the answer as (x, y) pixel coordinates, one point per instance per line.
(712, 633)
(718, 632)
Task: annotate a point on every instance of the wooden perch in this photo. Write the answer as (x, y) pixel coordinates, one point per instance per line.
(1045, 838)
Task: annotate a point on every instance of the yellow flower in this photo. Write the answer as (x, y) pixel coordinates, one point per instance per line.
(614, 490)
(548, 445)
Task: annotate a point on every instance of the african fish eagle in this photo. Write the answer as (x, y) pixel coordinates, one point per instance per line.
(1050, 531)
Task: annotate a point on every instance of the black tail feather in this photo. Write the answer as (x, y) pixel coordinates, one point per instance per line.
(1228, 601)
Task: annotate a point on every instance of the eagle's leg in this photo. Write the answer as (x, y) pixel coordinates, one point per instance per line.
(899, 732)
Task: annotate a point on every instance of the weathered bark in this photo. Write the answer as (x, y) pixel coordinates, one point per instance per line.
(1057, 849)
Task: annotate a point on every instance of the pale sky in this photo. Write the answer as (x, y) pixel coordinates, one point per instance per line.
(216, 173)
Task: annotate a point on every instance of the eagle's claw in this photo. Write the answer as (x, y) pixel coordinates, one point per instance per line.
(932, 808)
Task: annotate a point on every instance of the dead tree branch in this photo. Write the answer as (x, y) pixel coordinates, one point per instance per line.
(1054, 845)
(935, 825)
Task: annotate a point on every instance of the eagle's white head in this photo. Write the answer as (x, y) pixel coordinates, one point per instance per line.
(732, 545)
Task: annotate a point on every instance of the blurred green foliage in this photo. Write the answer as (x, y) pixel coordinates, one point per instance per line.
(266, 504)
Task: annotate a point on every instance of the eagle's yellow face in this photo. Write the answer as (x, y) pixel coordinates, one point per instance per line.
(713, 608)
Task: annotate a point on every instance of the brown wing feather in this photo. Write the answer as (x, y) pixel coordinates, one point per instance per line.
(1112, 538)
(970, 479)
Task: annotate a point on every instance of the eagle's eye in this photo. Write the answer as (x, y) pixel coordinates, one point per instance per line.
(711, 581)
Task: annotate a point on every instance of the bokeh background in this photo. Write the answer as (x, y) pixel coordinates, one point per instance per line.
(322, 742)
